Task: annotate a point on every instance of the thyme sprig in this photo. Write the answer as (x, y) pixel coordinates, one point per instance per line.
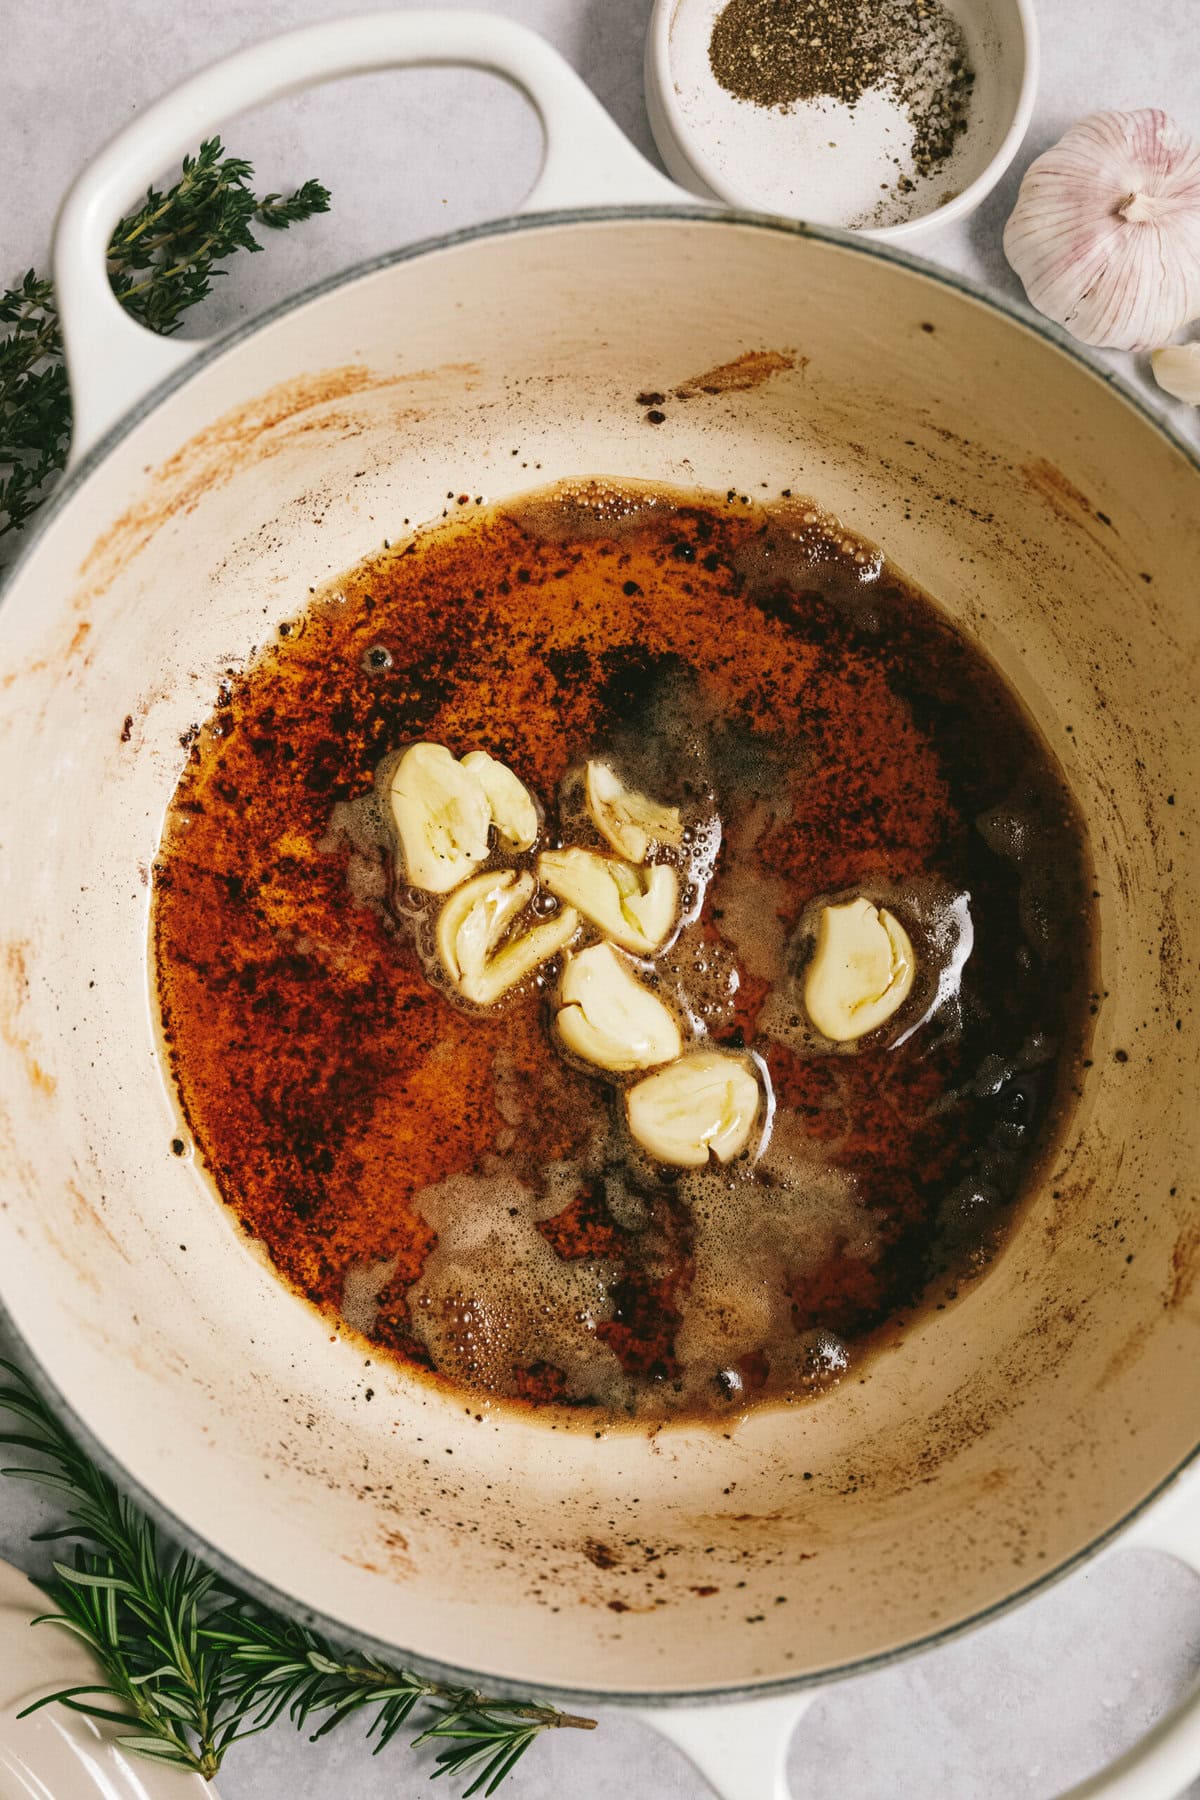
(191, 1667)
(162, 260)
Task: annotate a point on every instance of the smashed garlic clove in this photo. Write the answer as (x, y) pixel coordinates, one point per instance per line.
(703, 1105)
(522, 955)
(472, 923)
(513, 813)
(442, 817)
(608, 1018)
(861, 972)
(635, 907)
(630, 821)
(1177, 371)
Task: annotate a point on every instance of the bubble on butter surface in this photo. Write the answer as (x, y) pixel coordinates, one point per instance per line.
(760, 1229)
(494, 1298)
(362, 1286)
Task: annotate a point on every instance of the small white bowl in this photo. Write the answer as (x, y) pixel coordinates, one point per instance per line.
(824, 164)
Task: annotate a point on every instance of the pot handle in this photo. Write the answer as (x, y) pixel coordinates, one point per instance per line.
(1163, 1762)
(741, 1749)
(112, 361)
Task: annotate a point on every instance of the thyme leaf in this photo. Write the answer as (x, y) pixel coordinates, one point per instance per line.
(162, 260)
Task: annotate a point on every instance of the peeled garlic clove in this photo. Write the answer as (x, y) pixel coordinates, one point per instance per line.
(472, 923)
(861, 972)
(522, 955)
(1177, 371)
(513, 813)
(704, 1104)
(607, 1017)
(1105, 233)
(635, 907)
(442, 817)
(629, 820)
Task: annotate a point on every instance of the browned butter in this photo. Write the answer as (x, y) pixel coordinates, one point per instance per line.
(445, 1183)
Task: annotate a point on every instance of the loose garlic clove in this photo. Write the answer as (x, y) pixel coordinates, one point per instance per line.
(1177, 371)
(703, 1105)
(442, 817)
(635, 907)
(513, 813)
(861, 972)
(1105, 233)
(608, 1018)
(472, 923)
(629, 820)
(522, 955)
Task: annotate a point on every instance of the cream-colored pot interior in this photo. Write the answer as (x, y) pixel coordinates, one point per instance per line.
(1003, 1436)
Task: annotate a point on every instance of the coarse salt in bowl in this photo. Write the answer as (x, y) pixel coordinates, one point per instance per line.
(858, 164)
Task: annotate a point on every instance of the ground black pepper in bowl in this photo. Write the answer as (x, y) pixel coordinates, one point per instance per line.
(773, 53)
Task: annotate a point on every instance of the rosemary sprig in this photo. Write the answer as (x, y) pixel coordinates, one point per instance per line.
(162, 260)
(190, 1666)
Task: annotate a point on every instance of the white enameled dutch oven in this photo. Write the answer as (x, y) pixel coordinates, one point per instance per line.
(1007, 1437)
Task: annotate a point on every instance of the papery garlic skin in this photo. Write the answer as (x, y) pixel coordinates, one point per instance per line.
(1177, 371)
(1105, 234)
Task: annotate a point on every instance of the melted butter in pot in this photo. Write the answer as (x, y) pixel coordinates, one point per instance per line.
(451, 1182)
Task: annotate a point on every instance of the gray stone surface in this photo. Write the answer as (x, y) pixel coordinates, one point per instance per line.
(1040, 1698)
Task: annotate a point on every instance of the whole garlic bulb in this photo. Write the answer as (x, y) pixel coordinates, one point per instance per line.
(1105, 234)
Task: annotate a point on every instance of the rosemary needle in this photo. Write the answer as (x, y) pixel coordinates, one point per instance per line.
(190, 1666)
(162, 260)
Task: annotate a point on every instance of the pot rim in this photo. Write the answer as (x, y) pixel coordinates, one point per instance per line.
(256, 1587)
